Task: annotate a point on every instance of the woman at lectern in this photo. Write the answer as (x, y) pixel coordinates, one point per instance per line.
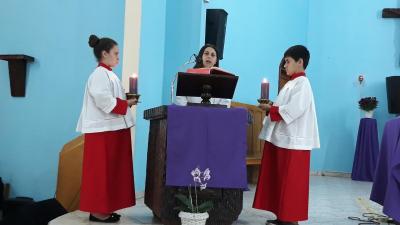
(105, 121)
(207, 58)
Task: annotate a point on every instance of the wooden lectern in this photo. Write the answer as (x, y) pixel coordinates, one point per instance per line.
(228, 203)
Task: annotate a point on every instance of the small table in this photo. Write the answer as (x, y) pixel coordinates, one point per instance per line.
(367, 148)
(386, 186)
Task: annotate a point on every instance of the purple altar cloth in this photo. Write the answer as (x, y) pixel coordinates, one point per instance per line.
(207, 137)
(367, 149)
(386, 186)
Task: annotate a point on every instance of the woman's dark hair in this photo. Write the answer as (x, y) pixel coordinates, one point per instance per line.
(298, 52)
(199, 57)
(101, 44)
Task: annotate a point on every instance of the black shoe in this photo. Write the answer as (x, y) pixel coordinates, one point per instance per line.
(279, 222)
(116, 214)
(111, 219)
(269, 222)
(288, 223)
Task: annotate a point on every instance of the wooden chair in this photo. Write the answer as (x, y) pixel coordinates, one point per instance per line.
(70, 174)
(254, 144)
(283, 77)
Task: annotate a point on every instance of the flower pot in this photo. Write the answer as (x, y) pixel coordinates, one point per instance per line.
(193, 218)
(369, 114)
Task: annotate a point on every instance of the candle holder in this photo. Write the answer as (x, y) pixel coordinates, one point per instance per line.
(264, 101)
(132, 96)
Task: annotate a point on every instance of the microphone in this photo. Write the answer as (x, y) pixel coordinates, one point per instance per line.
(192, 59)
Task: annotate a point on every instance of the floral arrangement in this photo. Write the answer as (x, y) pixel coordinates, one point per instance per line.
(187, 205)
(368, 103)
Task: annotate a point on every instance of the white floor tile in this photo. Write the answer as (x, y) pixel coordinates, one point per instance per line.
(332, 200)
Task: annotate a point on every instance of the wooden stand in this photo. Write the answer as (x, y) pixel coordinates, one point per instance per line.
(17, 72)
(283, 77)
(132, 96)
(228, 203)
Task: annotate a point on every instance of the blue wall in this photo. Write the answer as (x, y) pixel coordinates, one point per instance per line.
(34, 129)
(182, 39)
(348, 38)
(151, 69)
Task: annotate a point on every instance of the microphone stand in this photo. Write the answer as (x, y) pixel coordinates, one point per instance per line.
(191, 60)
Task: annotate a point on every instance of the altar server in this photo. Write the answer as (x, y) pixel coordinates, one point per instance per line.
(105, 120)
(290, 131)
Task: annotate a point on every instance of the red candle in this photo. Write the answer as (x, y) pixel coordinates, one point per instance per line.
(265, 89)
(133, 84)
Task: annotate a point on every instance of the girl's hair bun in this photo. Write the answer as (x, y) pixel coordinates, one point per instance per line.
(93, 40)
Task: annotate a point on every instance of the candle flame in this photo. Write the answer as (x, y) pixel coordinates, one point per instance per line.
(265, 80)
(134, 75)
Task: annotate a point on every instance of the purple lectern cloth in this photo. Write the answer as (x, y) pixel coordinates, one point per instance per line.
(386, 186)
(207, 137)
(367, 149)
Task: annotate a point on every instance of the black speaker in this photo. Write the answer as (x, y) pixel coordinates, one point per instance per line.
(393, 94)
(215, 29)
(12, 208)
(37, 213)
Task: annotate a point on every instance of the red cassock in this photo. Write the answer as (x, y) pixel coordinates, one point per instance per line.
(107, 176)
(283, 183)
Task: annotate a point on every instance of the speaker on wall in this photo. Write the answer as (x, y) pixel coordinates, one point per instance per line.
(393, 94)
(215, 29)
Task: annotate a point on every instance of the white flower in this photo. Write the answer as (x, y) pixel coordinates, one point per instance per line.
(206, 174)
(203, 186)
(200, 177)
(196, 172)
(197, 179)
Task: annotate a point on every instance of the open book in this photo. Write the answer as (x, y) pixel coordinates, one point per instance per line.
(212, 70)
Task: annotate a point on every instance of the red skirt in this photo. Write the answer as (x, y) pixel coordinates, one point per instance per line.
(283, 183)
(107, 176)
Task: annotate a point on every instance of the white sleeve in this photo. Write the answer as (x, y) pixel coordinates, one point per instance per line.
(299, 101)
(181, 100)
(99, 88)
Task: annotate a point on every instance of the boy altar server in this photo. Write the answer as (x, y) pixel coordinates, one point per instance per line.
(290, 131)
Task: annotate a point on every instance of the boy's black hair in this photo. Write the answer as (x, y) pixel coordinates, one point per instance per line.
(199, 57)
(298, 52)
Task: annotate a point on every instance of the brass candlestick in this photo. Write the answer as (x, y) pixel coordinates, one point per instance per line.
(132, 96)
(264, 101)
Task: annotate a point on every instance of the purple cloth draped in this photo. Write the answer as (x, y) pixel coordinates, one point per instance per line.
(386, 186)
(207, 137)
(367, 149)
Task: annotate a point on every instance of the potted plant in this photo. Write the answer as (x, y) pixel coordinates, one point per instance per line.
(368, 105)
(192, 213)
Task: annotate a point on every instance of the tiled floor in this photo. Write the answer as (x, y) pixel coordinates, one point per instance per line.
(332, 200)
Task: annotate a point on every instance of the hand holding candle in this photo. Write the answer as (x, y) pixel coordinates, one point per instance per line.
(265, 89)
(133, 84)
